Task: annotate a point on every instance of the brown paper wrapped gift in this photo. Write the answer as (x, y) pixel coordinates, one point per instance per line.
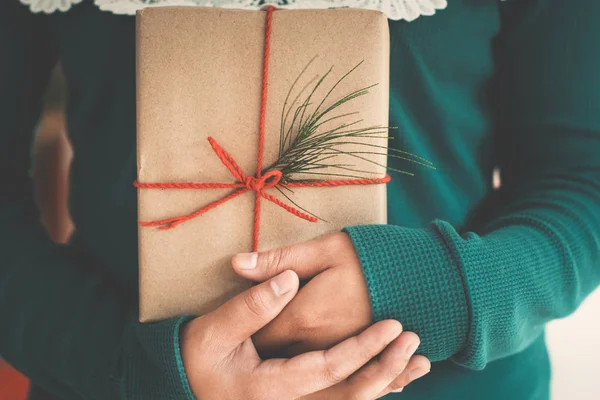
(199, 75)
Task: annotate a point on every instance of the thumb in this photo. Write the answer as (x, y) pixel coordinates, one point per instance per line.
(249, 311)
(307, 259)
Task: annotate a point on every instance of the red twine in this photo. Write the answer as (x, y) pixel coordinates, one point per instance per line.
(258, 183)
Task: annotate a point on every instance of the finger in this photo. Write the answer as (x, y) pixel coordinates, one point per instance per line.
(307, 259)
(376, 376)
(318, 370)
(417, 367)
(242, 316)
(291, 333)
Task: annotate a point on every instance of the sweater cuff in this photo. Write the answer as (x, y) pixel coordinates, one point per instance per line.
(412, 277)
(156, 369)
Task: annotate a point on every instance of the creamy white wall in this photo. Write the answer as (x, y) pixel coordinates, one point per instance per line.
(574, 344)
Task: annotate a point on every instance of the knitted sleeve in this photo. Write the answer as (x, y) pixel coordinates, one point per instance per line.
(67, 327)
(480, 295)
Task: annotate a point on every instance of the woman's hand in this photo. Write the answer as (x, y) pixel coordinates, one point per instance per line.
(366, 384)
(222, 363)
(333, 306)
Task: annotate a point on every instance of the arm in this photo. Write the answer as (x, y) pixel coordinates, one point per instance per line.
(64, 326)
(75, 334)
(487, 293)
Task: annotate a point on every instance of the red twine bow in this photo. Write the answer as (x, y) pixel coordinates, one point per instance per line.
(258, 183)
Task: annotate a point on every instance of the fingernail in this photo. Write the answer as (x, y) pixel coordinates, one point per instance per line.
(246, 260)
(411, 347)
(417, 373)
(398, 390)
(282, 283)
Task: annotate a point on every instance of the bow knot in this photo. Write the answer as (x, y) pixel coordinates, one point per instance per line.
(267, 181)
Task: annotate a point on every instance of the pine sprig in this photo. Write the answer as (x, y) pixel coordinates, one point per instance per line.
(308, 147)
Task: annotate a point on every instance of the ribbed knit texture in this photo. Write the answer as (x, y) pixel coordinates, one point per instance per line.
(531, 251)
(412, 278)
(467, 296)
(152, 364)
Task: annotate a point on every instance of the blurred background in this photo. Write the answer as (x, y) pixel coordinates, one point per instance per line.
(52, 156)
(574, 341)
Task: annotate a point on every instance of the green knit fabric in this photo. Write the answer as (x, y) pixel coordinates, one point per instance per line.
(531, 252)
(476, 272)
(411, 277)
(71, 328)
(160, 374)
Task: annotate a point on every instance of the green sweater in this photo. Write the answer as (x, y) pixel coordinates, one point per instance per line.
(476, 272)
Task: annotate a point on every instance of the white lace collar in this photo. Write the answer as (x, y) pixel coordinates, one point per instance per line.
(395, 9)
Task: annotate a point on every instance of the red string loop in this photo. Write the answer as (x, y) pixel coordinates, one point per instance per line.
(267, 181)
(258, 183)
(227, 160)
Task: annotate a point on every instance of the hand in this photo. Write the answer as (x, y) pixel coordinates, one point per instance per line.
(221, 361)
(367, 382)
(331, 307)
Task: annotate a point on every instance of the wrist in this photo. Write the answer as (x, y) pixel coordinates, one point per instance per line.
(189, 357)
(412, 277)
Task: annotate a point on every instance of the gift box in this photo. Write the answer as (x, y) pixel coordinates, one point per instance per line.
(216, 85)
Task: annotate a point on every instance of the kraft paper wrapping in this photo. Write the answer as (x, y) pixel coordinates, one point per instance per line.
(199, 74)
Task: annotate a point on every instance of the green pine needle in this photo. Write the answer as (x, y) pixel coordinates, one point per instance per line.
(309, 146)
